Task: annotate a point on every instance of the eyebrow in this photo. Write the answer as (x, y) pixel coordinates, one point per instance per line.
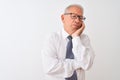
(71, 13)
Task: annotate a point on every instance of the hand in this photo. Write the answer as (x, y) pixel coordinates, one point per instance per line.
(79, 31)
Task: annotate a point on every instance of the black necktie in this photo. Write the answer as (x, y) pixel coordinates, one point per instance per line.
(70, 55)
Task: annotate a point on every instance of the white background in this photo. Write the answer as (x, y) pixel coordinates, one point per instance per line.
(25, 23)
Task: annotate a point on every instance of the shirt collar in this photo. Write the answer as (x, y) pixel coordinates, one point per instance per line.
(64, 33)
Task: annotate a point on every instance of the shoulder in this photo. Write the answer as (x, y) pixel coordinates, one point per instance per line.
(53, 36)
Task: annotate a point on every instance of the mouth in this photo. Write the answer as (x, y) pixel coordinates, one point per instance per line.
(77, 26)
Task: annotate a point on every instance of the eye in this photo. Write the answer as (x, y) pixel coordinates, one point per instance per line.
(74, 16)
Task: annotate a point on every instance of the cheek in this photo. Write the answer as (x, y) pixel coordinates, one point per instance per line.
(68, 21)
(80, 23)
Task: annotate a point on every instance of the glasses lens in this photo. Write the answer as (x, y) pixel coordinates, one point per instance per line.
(73, 16)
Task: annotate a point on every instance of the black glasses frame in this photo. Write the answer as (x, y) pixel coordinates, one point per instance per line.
(75, 16)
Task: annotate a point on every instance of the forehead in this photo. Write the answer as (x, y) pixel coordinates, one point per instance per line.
(75, 10)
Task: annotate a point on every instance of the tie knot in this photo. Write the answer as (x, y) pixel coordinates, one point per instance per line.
(69, 37)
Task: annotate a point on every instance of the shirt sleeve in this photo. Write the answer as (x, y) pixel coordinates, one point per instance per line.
(83, 52)
(52, 64)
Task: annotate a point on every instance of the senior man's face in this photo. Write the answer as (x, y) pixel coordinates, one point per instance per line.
(73, 18)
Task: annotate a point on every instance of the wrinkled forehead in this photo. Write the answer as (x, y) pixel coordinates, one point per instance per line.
(76, 10)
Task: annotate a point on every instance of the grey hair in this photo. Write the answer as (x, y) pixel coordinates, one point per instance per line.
(73, 5)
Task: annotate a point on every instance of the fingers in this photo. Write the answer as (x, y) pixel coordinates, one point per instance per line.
(83, 25)
(79, 31)
(82, 28)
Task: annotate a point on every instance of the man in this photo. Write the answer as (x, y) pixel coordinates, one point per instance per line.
(56, 54)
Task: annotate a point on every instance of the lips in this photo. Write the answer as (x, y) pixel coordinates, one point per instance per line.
(78, 26)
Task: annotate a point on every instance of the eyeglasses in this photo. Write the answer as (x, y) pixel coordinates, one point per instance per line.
(75, 16)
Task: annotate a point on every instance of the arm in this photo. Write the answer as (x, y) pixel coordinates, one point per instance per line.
(53, 65)
(83, 52)
(82, 49)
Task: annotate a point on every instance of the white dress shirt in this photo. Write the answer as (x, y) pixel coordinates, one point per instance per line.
(55, 64)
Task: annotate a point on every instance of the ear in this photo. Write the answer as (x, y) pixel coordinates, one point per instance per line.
(62, 18)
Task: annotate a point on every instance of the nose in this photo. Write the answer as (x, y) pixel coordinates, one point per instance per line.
(77, 20)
